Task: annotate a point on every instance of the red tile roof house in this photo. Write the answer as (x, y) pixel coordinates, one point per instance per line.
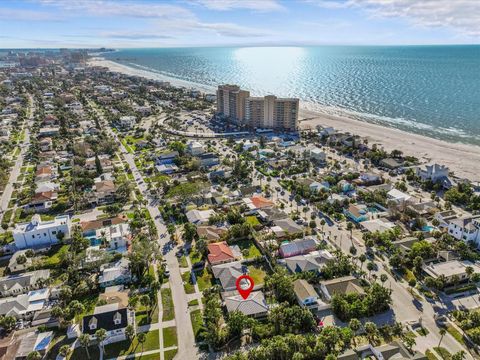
(221, 253)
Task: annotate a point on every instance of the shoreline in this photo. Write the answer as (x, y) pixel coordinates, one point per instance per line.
(462, 159)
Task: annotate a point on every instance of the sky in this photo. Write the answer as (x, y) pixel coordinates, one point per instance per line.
(157, 23)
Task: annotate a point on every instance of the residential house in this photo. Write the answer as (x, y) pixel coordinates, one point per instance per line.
(390, 163)
(104, 160)
(104, 192)
(166, 158)
(48, 131)
(286, 227)
(298, 247)
(313, 261)
(195, 148)
(208, 160)
(316, 186)
(228, 273)
(22, 283)
(398, 196)
(34, 342)
(221, 252)
(46, 186)
(42, 201)
(254, 306)
(392, 351)
(199, 217)
(377, 225)
(342, 285)
(368, 179)
(357, 213)
(116, 237)
(466, 229)
(257, 202)
(24, 306)
(127, 122)
(305, 294)
(38, 233)
(211, 233)
(318, 155)
(450, 270)
(19, 262)
(44, 173)
(166, 168)
(115, 274)
(436, 174)
(113, 318)
(445, 218)
(45, 144)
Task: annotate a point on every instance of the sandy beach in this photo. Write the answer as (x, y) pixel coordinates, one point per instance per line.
(462, 159)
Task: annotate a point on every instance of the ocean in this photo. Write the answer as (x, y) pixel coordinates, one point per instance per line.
(429, 90)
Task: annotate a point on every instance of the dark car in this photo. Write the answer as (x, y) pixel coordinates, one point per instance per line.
(198, 265)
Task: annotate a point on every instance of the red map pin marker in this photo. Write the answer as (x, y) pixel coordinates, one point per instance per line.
(244, 285)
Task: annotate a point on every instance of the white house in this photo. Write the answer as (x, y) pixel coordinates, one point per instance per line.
(318, 155)
(127, 122)
(38, 233)
(199, 217)
(466, 229)
(195, 148)
(433, 172)
(116, 236)
(398, 196)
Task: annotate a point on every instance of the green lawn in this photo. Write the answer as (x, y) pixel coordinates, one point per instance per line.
(170, 354)
(53, 256)
(189, 287)
(204, 279)
(252, 220)
(167, 305)
(155, 356)
(193, 302)
(248, 245)
(257, 273)
(183, 262)
(430, 355)
(444, 353)
(80, 353)
(195, 256)
(126, 347)
(197, 322)
(170, 336)
(141, 316)
(456, 334)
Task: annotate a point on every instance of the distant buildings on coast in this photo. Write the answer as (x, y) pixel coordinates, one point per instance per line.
(268, 112)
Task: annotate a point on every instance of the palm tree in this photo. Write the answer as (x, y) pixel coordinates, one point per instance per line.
(34, 355)
(101, 335)
(371, 331)
(141, 338)
(350, 228)
(362, 259)
(442, 334)
(383, 278)
(85, 342)
(65, 350)
(354, 325)
(469, 271)
(145, 301)
(130, 332)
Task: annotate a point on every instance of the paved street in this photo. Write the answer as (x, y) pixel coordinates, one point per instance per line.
(7, 193)
(186, 340)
